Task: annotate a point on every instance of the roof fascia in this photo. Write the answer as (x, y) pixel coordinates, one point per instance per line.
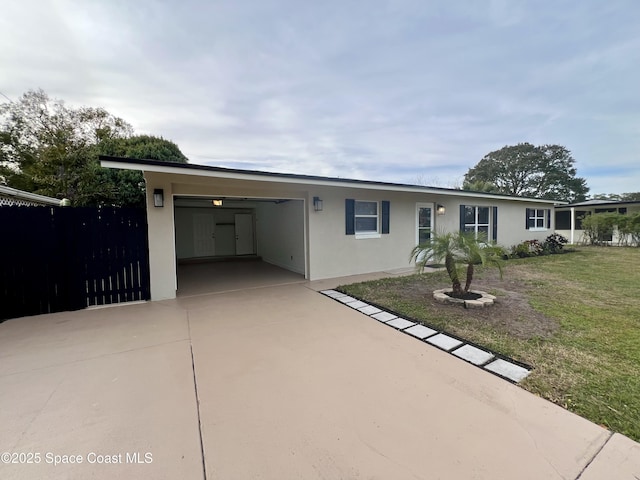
(302, 180)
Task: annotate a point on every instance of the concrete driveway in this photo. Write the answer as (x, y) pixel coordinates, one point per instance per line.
(274, 383)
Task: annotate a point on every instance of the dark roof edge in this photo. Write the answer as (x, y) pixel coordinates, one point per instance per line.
(612, 203)
(295, 176)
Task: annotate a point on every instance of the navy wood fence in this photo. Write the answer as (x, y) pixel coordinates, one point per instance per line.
(56, 259)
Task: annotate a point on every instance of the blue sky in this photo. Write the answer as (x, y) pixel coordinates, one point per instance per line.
(400, 90)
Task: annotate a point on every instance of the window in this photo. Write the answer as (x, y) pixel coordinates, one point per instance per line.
(563, 220)
(480, 220)
(538, 219)
(476, 219)
(366, 216)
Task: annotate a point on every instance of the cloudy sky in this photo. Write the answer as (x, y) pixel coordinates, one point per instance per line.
(411, 91)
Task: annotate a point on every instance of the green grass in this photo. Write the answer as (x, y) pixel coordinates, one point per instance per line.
(591, 364)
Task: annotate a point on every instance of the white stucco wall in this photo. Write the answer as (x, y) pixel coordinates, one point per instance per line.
(162, 253)
(334, 254)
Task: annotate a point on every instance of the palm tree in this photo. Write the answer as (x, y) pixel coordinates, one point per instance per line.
(459, 248)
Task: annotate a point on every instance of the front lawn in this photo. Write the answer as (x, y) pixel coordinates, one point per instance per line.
(574, 317)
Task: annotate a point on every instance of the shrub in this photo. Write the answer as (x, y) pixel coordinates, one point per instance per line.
(634, 228)
(528, 248)
(598, 228)
(629, 229)
(554, 243)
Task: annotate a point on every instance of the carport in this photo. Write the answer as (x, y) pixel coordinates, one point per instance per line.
(223, 243)
(202, 215)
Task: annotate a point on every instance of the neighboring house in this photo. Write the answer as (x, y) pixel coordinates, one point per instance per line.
(569, 217)
(319, 227)
(12, 197)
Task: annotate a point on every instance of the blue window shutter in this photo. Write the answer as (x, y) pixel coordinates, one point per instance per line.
(462, 207)
(548, 218)
(495, 224)
(526, 218)
(350, 216)
(385, 215)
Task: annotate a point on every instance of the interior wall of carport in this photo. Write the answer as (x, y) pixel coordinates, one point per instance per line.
(162, 253)
(280, 228)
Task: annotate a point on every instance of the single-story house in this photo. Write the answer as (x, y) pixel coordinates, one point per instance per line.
(569, 217)
(319, 227)
(13, 197)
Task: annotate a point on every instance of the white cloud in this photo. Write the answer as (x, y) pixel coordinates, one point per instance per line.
(386, 89)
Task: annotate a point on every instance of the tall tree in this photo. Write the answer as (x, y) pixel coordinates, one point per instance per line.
(480, 186)
(618, 197)
(545, 171)
(49, 148)
(126, 187)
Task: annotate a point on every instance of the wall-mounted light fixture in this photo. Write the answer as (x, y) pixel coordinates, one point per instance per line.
(217, 202)
(440, 210)
(317, 204)
(158, 197)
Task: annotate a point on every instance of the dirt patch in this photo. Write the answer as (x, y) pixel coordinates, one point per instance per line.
(511, 312)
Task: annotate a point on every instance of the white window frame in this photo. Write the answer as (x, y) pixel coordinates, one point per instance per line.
(475, 225)
(367, 233)
(536, 217)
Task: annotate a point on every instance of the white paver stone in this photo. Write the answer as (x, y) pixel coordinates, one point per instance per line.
(369, 310)
(509, 370)
(357, 304)
(421, 332)
(384, 316)
(346, 299)
(473, 354)
(444, 341)
(333, 293)
(401, 323)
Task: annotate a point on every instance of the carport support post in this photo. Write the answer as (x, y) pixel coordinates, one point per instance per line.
(162, 254)
(573, 225)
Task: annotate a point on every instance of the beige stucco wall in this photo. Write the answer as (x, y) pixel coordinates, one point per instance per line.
(304, 240)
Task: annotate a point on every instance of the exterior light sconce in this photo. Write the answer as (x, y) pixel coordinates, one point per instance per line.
(217, 202)
(317, 204)
(440, 210)
(158, 197)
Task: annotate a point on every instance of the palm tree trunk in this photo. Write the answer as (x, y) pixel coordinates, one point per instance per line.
(450, 265)
(467, 284)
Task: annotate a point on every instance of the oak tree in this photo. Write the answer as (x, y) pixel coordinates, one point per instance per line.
(545, 171)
